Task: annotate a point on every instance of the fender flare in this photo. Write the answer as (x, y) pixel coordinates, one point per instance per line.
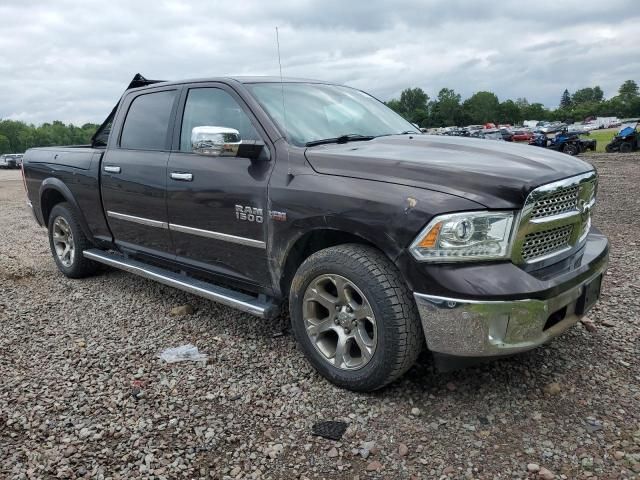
(58, 185)
(282, 250)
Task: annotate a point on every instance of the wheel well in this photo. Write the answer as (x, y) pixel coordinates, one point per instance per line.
(50, 198)
(309, 244)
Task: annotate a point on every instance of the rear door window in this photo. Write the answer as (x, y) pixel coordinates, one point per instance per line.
(147, 122)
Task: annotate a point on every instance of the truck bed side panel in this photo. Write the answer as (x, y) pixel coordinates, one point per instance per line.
(74, 173)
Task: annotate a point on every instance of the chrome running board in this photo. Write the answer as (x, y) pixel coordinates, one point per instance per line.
(241, 301)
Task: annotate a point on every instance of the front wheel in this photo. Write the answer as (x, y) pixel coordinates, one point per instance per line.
(354, 317)
(68, 242)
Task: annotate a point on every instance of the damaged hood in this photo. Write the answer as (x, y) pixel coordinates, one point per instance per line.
(498, 175)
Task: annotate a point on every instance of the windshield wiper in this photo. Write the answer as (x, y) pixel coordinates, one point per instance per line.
(353, 137)
(406, 132)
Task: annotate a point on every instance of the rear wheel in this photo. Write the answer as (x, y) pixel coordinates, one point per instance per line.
(68, 242)
(610, 148)
(625, 147)
(354, 317)
(571, 149)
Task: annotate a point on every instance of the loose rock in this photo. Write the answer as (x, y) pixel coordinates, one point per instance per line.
(403, 450)
(374, 466)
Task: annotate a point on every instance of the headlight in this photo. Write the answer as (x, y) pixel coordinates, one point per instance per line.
(465, 236)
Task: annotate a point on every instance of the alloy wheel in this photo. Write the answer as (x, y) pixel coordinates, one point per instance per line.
(339, 322)
(63, 241)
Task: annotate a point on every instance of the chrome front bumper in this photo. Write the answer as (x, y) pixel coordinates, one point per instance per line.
(475, 328)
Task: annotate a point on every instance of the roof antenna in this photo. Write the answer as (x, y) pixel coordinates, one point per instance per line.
(284, 111)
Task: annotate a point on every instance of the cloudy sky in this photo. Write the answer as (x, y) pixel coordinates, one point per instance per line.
(70, 60)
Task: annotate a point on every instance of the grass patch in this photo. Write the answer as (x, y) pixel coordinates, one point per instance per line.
(603, 137)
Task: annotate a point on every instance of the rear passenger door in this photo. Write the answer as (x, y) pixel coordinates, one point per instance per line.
(217, 206)
(134, 171)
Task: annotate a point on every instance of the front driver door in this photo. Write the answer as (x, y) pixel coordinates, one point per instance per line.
(217, 206)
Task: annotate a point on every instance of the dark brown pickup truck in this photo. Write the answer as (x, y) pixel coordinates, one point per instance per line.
(260, 192)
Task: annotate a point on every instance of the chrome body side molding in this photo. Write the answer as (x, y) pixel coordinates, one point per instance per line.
(225, 237)
(250, 242)
(140, 220)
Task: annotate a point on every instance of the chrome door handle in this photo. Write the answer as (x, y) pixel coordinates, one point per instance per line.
(185, 177)
(112, 169)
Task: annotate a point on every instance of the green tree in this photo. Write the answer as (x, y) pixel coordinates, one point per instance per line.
(587, 95)
(446, 110)
(412, 105)
(510, 112)
(17, 136)
(536, 111)
(482, 107)
(5, 146)
(565, 100)
(628, 90)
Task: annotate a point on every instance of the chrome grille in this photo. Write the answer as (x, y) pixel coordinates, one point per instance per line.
(554, 220)
(541, 244)
(556, 203)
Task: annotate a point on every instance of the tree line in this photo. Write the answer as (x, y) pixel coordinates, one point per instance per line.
(448, 109)
(17, 136)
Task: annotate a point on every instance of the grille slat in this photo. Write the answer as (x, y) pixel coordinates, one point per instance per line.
(539, 244)
(554, 219)
(565, 200)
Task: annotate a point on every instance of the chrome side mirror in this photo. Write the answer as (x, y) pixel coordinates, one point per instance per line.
(215, 141)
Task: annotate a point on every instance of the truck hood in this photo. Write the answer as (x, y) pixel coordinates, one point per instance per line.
(498, 175)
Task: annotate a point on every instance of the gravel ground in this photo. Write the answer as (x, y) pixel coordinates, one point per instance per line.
(83, 394)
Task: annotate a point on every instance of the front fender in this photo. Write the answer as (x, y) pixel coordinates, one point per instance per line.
(386, 215)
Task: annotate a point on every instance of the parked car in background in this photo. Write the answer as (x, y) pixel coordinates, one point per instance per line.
(522, 135)
(507, 136)
(9, 160)
(552, 127)
(18, 157)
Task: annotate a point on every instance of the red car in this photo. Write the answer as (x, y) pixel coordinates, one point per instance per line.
(522, 136)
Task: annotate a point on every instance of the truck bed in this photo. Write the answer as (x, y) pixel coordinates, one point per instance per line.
(72, 172)
(75, 156)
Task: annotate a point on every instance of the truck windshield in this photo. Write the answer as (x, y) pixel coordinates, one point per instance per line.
(318, 113)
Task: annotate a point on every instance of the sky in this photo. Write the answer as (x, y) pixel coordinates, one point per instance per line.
(71, 60)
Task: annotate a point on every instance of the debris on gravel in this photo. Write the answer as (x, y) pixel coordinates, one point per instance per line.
(553, 388)
(84, 394)
(181, 310)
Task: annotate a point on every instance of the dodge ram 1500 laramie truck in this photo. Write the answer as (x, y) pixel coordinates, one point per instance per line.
(253, 192)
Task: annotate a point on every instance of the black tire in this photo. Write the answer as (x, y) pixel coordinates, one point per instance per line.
(626, 147)
(399, 333)
(571, 149)
(610, 148)
(79, 266)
